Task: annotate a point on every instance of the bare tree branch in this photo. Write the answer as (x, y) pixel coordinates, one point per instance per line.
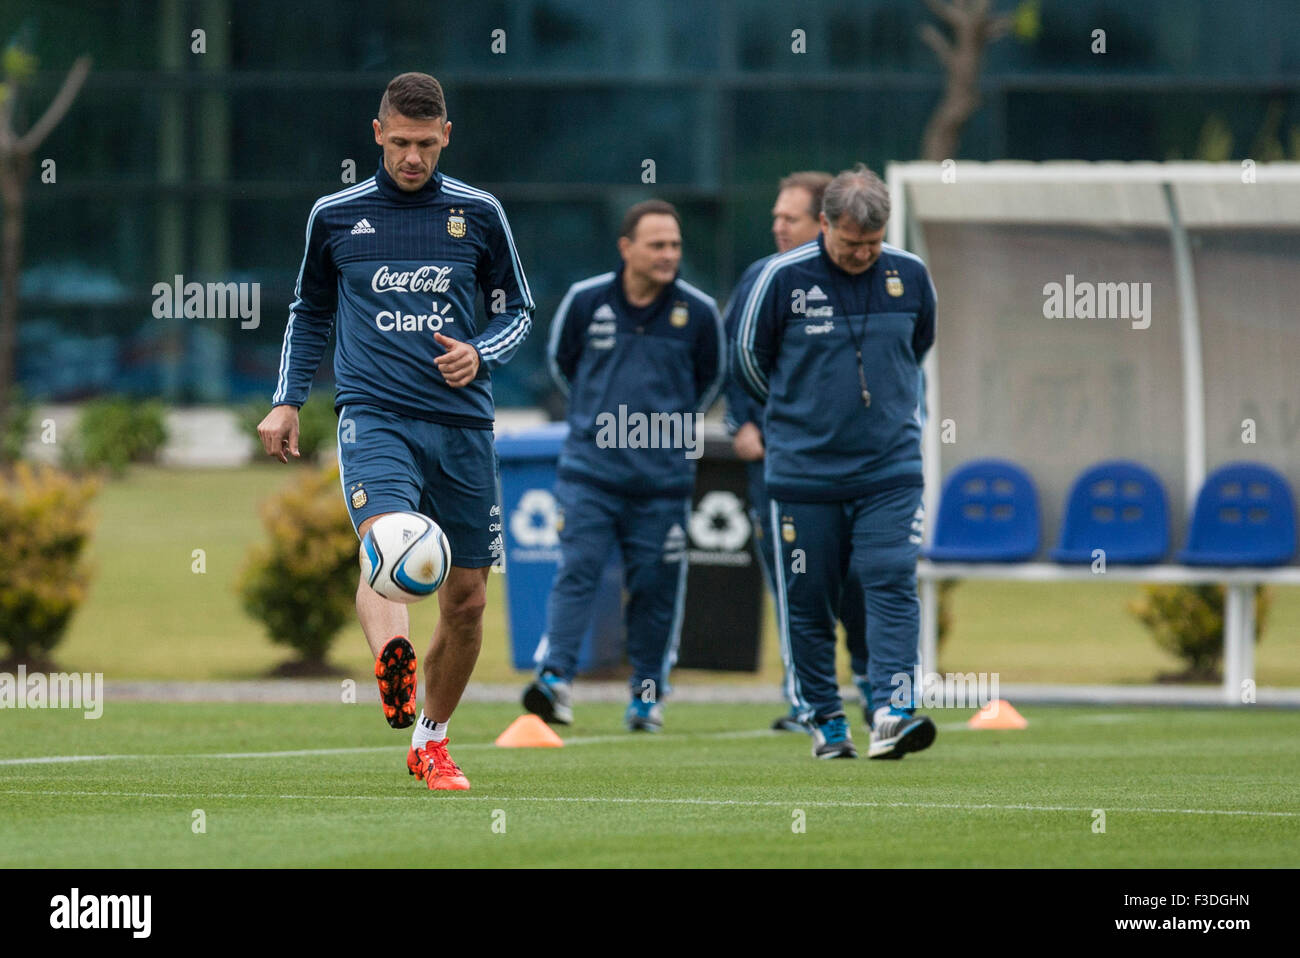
(59, 106)
(973, 28)
(937, 42)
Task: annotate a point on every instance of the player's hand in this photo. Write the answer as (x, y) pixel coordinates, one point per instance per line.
(279, 432)
(748, 443)
(459, 364)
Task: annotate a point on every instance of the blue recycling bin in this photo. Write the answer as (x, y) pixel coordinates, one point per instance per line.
(532, 539)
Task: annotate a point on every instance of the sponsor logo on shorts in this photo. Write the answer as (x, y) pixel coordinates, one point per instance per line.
(675, 544)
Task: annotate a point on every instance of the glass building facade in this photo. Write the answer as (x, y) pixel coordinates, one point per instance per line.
(205, 164)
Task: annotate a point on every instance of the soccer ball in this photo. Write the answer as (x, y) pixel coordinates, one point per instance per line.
(405, 556)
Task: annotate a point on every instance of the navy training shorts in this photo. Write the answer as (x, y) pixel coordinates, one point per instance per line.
(394, 463)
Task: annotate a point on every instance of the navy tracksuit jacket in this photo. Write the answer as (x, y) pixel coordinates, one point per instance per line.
(393, 279)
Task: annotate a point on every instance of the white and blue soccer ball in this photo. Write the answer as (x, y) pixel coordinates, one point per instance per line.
(405, 556)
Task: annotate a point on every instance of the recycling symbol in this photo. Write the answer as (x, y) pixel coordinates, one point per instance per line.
(535, 521)
(719, 522)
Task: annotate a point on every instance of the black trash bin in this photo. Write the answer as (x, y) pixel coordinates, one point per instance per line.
(724, 585)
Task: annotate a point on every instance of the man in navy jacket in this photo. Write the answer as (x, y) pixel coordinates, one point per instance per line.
(831, 338)
(396, 263)
(641, 355)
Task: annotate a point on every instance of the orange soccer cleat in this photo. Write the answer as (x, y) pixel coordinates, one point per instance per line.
(396, 671)
(435, 766)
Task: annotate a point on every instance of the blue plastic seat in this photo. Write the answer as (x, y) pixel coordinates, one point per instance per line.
(1245, 515)
(1119, 507)
(988, 512)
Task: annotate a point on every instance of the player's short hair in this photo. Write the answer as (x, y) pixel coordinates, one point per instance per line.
(645, 208)
(416, 96)
(814, 181)
(861, 196)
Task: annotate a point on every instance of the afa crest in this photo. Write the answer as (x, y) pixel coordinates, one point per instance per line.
(456, 224)
(893, 283)
(787, 529)
(680, 315)
(359, 497)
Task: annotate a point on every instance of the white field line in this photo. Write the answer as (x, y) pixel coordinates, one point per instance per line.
(602, 800)
(629, 800)
(308, 752)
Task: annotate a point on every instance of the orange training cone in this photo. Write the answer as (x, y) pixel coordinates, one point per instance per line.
(999, 714)
(529, 731)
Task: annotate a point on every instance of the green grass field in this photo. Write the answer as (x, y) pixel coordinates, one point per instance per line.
(326, 786)
(149, 615)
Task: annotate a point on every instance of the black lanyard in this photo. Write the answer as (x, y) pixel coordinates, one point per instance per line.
(857, 343)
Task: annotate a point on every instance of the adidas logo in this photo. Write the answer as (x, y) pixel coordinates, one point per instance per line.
(814, 294)
(603, 312)
(406, 533)
(363, 226)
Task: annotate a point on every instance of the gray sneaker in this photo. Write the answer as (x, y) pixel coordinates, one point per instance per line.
(551, 698)
(894, 733)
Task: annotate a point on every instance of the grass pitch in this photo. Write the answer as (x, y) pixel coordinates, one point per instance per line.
(319, 785)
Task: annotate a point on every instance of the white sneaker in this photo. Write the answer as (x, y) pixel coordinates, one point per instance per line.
(894, 733)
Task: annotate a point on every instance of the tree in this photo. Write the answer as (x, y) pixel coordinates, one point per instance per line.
(16, 154)
(973, 28)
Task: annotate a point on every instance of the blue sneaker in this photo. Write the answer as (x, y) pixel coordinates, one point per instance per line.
(895, 732)
(551, 698)
(831, 737)
(643, 716)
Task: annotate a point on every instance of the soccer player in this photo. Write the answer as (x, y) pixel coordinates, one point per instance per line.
(831, 338)
(794, 222)
(641, 354)
(397, 262)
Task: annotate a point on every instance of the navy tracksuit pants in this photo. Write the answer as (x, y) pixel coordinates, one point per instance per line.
(852, 613)
(651, 535)
(876, 537)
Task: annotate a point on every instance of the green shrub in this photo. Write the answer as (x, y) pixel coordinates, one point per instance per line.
(302, 585)
(317, 425)
(45, 523)
(1187, 621)
(115, 431)
(13, 432)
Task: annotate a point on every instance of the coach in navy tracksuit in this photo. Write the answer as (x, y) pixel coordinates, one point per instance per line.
(641, 354)
(794, 222)
(831, 338)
